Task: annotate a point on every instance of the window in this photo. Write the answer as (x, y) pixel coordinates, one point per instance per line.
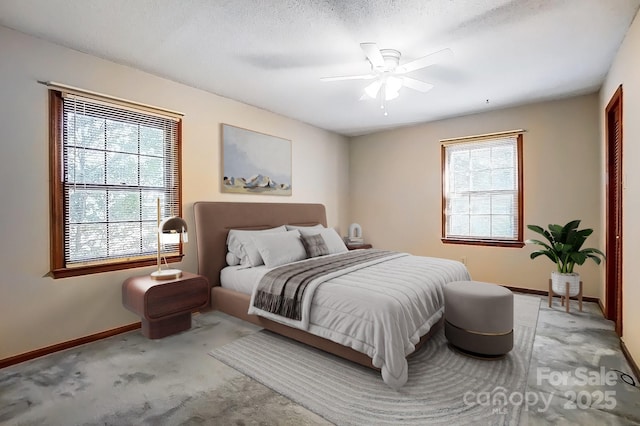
(482, 190)
(110, 163)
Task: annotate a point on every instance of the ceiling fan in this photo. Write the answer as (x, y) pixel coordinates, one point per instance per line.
(389, 75)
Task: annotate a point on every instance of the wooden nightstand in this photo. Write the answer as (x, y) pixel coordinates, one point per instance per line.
(359, 246)
(165, 307)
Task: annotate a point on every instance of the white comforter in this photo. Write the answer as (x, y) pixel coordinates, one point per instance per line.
(381, 308)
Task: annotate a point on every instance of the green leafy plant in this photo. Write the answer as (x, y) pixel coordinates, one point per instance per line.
(564, 245)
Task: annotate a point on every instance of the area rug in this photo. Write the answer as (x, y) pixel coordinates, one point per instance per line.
(444, 386)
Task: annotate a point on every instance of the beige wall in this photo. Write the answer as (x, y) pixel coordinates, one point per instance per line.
(395, 189)
(626, 71)
(38, 311)
(389, 182)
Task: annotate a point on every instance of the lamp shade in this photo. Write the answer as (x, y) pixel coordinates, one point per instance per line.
(372, 89)
(172, 229)
(390, 85)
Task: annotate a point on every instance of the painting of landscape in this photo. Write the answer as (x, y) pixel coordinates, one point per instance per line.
(255, 163)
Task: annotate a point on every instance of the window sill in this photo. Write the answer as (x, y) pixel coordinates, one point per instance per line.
(490, 243)
(107, 267)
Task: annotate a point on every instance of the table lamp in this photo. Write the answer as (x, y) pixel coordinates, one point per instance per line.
(171, 230)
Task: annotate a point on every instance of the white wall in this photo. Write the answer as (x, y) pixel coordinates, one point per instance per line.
(395, 179)
(626, 71)
(37, 311)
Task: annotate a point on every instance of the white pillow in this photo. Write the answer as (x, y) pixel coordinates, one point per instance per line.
(240, 243)
(280, 248)
(331, 238)
(293, 227)
(232, 259)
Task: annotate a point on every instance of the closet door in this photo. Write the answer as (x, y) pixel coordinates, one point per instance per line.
(613, 121)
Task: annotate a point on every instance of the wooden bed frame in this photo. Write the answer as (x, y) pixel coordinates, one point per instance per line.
(213, 222)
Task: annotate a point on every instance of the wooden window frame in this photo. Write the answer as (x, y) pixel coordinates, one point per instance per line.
(519, 241)
(59, 268)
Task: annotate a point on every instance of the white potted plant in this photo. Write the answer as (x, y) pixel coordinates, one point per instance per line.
(564, 248)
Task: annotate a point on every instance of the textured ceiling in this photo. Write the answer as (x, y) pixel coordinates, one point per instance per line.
(272, 53)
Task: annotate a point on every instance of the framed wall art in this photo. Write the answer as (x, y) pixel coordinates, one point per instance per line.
(255, 163)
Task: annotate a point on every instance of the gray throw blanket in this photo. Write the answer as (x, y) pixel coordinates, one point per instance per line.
(280, 290)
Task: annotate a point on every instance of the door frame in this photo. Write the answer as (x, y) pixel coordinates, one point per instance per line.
(614, 246)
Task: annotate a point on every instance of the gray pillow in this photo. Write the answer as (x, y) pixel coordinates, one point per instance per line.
(331, 239)
(314, 245)
(279, 248)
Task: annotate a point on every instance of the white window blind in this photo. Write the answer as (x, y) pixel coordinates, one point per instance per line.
(481, 189)
(116, 163)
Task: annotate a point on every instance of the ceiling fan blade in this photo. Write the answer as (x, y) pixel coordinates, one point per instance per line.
(425, 61)
(373, 54)
(349, 77)
(418, 85)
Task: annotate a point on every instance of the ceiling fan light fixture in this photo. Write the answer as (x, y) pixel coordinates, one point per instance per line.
(388, 85)
(390, 94)
(393, 83)
(391, 87)
(373, 89)
(389, 75)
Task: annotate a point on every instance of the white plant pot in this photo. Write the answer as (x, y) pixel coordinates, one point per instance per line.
(559, 283)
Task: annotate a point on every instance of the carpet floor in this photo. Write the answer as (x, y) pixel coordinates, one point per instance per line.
(444, 386)
(130, 380)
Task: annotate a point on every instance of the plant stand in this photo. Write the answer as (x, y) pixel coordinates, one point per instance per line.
(565, 297)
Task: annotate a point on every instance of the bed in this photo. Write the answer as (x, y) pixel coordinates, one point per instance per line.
(214, 220)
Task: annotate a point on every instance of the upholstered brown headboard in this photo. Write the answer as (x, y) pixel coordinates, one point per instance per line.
(214, 219)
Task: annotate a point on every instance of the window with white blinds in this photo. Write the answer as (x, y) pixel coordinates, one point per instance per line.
(113, 163)
(482, 190)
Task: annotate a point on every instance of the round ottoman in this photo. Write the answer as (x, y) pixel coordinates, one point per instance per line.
(479, 317)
